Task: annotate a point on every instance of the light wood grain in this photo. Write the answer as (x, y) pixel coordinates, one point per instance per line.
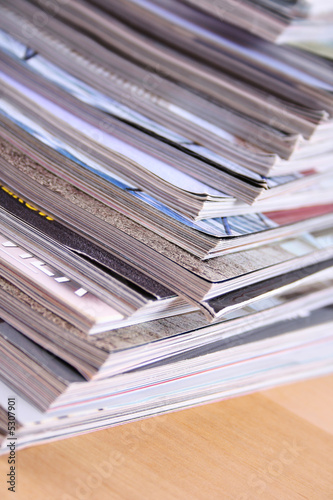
(273, 445)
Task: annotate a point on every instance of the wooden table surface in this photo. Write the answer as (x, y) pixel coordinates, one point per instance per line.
(276, 444)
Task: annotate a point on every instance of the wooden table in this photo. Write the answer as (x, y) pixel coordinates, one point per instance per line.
(277, 444)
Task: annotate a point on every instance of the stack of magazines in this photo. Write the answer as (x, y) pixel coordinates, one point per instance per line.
(166, 201)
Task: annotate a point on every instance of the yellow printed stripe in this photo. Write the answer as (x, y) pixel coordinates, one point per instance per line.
(8, 191)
